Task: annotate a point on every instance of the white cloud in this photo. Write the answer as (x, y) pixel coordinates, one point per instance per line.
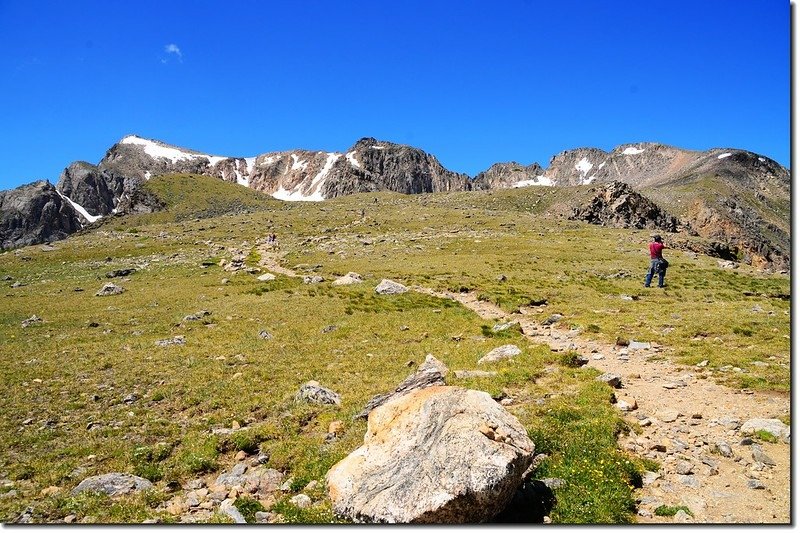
(173, 49)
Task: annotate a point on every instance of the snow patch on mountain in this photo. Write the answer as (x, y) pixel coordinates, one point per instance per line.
(723, 156)
(84, 213)
(584, 166)
(543, 181)
(632, 150)
(298, 164)
(353, 161)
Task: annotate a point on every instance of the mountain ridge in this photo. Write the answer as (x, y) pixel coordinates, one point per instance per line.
(727, 194)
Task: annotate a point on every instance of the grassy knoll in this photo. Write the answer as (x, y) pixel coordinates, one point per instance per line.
(88, 391)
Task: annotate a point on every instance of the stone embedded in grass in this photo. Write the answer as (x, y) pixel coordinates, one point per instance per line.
(552, 319)
(506, 351)
(266, 277)
(112, 484)
(29, 321)
(229, 509)
(312, 279)
(120, 273)
(301, 501)
(348, 279)
(177, 340)
(264, 334)
(387, 286)
(313, 392)
(503, 327)
(110, 289)
(403, 475)
(197, 316)
(770, 425)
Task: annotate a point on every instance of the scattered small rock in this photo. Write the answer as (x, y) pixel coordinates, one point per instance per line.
(348, 279)
(612, 380)
(200, 315)
(120, 273)
(552, 319)
(724, 449)
(266, 277)
(109, 289)
(265, 335)
(755, 484)
(113, 484)
(301, 501)
(32, 320)
(761, 457)
(506, 351)
(668, 416)
(313, 279)
(177, 340)
(313, 392)
(388, 286)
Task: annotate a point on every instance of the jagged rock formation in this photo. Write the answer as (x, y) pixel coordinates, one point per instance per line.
(618, 205)
(508, 175)
(733, 197)
(35, 213)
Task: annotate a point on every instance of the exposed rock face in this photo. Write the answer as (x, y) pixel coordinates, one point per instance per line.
(440, 455)
(35, 213)
(733, 197)
(618, 205)
(508, 175)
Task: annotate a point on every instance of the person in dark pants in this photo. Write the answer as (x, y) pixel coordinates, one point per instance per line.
(658, 265)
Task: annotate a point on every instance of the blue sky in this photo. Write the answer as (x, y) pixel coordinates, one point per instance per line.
(472, 82)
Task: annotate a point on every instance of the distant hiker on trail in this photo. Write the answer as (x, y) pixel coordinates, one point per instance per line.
(658, 265)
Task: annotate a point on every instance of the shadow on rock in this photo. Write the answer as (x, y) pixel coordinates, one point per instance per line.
(532, 501)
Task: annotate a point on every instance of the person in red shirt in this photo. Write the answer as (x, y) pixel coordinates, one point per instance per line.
(658, 265)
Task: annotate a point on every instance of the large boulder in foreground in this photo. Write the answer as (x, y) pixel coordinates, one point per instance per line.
(439, 455)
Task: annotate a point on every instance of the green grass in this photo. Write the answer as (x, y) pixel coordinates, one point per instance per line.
(68, 380)
(668, 510)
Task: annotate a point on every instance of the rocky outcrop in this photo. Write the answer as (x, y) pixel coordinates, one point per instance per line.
(617, 205)
(509, 175)
(33, 214)
(440, 455)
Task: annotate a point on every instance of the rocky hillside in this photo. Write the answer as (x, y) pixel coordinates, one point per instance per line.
(505, 175)
(295, 175)
(734, 197)
(35, 213)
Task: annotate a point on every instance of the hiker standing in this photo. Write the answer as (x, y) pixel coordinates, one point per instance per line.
(658, 265)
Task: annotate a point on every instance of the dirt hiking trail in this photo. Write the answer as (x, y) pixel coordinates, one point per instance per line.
(684, 418)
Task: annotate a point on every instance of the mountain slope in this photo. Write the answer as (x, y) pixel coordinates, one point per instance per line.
(731, 196)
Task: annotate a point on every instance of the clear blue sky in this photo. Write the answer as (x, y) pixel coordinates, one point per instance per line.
(473, 82)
